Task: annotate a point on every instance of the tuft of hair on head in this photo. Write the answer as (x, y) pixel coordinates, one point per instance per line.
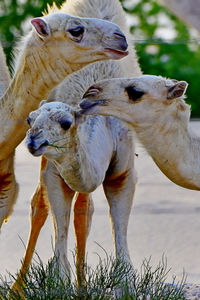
(51, 9)
(42, 102)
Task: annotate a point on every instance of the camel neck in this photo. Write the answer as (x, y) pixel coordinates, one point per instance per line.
(4, 73)
(37, 73)
(74, 164)
(84, 162)
(175, 150)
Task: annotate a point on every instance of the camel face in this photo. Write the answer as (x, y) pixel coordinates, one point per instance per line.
(135, 100)
(49, 128)
(80, 40)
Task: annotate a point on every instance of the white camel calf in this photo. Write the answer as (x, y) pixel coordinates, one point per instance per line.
(85, 157)
(156, 110)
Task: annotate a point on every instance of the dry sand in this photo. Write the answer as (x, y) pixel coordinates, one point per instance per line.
(165, 220)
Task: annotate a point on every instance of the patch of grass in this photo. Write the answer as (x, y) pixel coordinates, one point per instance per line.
(111, 279)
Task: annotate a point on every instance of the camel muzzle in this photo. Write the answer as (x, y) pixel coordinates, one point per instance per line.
(89, 107)
(34, 148)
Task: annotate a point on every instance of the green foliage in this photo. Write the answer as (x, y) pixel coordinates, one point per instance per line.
(13, 14)
(109, 280)
(165, 46)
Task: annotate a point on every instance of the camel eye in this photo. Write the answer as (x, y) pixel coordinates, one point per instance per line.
(133, 93)
(77, 31)
(65, 124)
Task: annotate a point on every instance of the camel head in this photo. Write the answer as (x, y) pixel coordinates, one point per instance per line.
(49, 129)
(137, 101)
(78, 40)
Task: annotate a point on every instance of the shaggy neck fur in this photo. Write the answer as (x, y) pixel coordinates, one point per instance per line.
(4, 74)
(174, 148)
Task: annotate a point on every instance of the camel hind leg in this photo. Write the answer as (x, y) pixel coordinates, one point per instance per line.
(83, 211)
(119, 187)
(8, 188)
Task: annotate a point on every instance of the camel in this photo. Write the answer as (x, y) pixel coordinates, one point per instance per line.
(155, 109)
(72, 89)
(76, 42)
(84, 155)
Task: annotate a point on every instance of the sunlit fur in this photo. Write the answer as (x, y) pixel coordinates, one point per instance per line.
(8, 184)
(42, 63)
(120, 178)
(4, 73)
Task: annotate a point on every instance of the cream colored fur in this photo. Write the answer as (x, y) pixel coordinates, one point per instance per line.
(4, 73)
(43, 63)
(160, 118)
(8, 184)
(114, 170)
(47, 55)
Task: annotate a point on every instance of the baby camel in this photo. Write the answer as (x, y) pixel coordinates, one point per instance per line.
(82, 155)
(155, 108)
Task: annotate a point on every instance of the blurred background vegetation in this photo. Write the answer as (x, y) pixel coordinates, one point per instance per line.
(165, 45)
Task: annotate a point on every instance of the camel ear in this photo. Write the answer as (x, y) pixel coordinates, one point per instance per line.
(42, 102)
(42, 28)
(177, 90)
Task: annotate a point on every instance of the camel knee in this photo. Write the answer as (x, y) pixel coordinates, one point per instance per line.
(39, 205)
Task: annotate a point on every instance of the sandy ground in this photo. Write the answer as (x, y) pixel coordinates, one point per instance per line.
(165, 219)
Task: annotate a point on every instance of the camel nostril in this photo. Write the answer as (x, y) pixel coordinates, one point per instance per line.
(120, 35)
(36, 135)
(121, 40)
(28, 121)
(32, 137)
(31, 145)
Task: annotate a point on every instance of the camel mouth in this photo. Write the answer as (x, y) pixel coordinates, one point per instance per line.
(37, 151)
(117, 54)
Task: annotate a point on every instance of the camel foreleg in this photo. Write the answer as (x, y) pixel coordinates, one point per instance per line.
(39, 213)
(60, 198)
(83, 211)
